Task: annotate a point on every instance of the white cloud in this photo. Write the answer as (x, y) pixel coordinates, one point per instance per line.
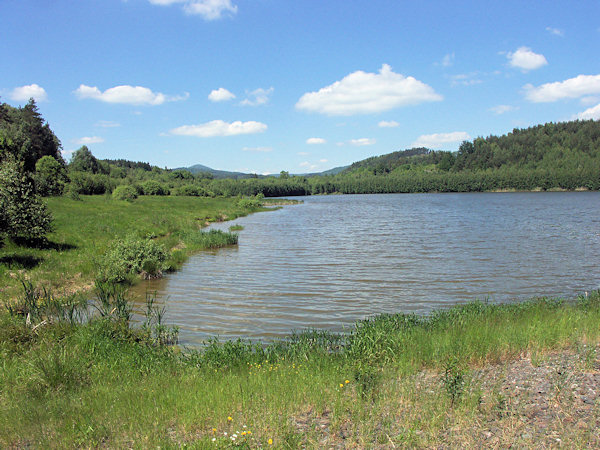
(388, 124)
(362, 141)
(220, 128)
(448, 60)
(555, 31)
(525, 59)
(501, 109)
(257, 149)
(220, 95)
(308, 165)
(130, 95)
(590, 113)
(315, 141)
(364, 93)
(24, 93)
(437, 140)
(465, 79)
(89, 140)
(589, 100)
(323, 160)
(257, 97)
(208, 9)
(579, 86)
(107, 124)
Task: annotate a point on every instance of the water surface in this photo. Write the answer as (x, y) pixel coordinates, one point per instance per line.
(336, 259)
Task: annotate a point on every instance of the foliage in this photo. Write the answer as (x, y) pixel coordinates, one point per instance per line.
(24, 137)
(50, 176)
(23, 213)
(83, 161)
(85, 183)
(125, 192)
(152, 187)
(129, 257)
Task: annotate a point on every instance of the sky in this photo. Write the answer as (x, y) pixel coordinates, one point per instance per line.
(261, 86)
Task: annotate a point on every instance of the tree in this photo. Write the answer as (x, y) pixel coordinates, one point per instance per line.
(83, 161)
(23, 213)
(25, 137)
(50, 177)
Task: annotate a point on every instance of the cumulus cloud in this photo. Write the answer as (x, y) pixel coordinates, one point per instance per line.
(525, 59)
(362, 141)
(208, 9)
(130, 95)
(590, 113)
(579, 86)
(220, 128)
(220, 95)
(388, 124)
(501, 109)
(315, 141)
(364, 93)
(89, 140)
(24, 93)
(437, 140)
(258, 97)
(257, 149)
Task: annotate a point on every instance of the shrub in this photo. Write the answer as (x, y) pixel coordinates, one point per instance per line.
(50, 176)
(131, 256)
(23, 213)
(152, 187)
(125, 192)
(90, 184)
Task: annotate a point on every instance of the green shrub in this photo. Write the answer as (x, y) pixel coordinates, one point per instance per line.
(131, 256)
(125, 192)
(152, 187)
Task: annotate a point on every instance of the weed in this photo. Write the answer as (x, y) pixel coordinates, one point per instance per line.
(453, 379)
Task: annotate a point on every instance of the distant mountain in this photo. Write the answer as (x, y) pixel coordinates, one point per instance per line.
(199, 168)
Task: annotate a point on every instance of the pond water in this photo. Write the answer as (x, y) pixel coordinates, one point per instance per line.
(333, 260)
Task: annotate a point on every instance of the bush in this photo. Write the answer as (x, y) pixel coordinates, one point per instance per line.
(131, 256)
(152, 187)
(90, 184)
(189, 190)
(23, 213)
(50, 176)
(125, 192)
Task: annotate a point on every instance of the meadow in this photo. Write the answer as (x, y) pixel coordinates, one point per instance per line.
(84, 229)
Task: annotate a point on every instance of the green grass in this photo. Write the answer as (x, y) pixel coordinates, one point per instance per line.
(395, 379)
(85, 229)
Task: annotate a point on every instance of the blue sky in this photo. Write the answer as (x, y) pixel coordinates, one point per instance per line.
(269, 85)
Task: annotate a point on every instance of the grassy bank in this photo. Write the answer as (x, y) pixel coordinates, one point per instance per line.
(84, 230)
(394, 380)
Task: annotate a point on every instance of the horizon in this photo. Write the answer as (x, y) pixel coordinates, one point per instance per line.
(264, 87)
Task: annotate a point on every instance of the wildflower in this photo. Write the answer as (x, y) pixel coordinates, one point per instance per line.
(214, 430)
(229, 418)
(341, 385)
(347, 381)
(270, 441)
(214, 439)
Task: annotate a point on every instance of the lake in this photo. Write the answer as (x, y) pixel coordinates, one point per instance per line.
(336, 259)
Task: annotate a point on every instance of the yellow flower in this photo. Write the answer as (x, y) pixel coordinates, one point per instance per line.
(214, 430)
(229, 418)
(347, 381)
(270, 441)
(341, 385)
